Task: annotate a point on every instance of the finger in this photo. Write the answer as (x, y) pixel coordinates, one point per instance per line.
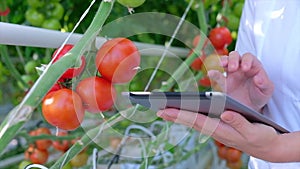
(238, 122)
(233, 61)
(250, 65)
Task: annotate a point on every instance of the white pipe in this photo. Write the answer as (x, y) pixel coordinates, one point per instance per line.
(21, 35)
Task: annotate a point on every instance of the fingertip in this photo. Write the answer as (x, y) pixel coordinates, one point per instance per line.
(227, 116)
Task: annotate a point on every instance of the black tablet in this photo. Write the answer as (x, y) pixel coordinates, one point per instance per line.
(208, 103)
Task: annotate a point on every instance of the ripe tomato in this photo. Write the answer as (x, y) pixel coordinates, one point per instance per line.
(80, 159)
(36, 155)
(61, 145)
(98, 94)
(197, 39)
(218, 144)
(220, 37)
(233, 155)
(117, 60)
(41, 144)
(205, 82)
(197, 63)
(222, 152)
(71, 72)
(63, 109)
(222, 51)
(131, 3)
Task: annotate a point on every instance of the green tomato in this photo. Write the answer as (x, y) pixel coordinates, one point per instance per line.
(233, 22)
(23, 164)
(131, 3)
(58, 11)
(30, 67)
(34, 17)
(52, 23)
(35, 3)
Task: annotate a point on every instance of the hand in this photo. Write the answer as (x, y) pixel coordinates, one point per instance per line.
(246, 80)
(232, 130)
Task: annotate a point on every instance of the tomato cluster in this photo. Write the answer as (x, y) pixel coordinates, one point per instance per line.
(46, 13)
(37, 152)
(117, 61)
(232, 156)
(219, 38)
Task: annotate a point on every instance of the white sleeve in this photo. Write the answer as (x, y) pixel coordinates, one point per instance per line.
(245, 40)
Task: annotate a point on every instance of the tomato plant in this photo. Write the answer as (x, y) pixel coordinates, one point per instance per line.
(24, 164)
(117, 60)
(36, 155)
(71, 72)
(98, 94)
(220, 37)
(63, 109)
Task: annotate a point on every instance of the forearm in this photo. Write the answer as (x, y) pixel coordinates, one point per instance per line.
(286, 148)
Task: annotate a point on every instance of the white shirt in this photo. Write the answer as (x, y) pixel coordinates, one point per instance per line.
(270, 29)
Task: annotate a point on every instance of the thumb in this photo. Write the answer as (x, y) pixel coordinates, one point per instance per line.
(237, 121)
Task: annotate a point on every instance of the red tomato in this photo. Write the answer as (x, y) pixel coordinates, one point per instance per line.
(98, 94)
(41, 144)
(36, 156)
(71, 72)
(233, 155)
(205, 82)
(197, 39)
(61, 145)
(117, 60)
(218, 144)
(63, 109)
(197, 63)
(220, 37)
(223, 51)
(222, 152)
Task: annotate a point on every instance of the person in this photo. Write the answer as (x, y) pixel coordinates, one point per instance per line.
(263, 74)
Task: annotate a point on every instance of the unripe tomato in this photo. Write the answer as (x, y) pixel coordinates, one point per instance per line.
(117, 60)
(30, 67)
(212, 62)
(98, 94)
(34, 17)
(63, 109)
(131, 3)
(58, 11)
(79, 160)
(51, 23)
(220, 37)
(71, 72)
(36, 155)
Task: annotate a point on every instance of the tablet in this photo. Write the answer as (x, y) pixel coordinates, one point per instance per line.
(211, 104)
